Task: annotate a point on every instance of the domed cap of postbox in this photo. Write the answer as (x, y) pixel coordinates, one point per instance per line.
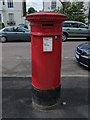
(46, 16)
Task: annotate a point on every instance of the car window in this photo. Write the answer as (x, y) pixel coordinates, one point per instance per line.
(23, 25)
(81, 25)
(6, 30)
(18, 29)
(9, 29)
(66, 25)
(74, 25)
(27, 30)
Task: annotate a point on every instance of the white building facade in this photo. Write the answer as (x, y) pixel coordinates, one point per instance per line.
(12, 12)
(50, 5)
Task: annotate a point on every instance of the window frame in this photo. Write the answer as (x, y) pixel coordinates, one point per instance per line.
(53, 4)
(10, 4)
(12, 18)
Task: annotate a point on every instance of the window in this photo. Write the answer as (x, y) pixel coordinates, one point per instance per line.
(10, 29)
(53, 4)
(19, 29)
(75, 25)
(66, 25)
(3, 2)
(7, 30)
(11, 17)
(0, 18)
(10, 3)
(81, 25)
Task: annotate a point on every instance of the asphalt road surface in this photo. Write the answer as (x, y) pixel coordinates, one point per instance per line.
(16, 83)
(16, 60)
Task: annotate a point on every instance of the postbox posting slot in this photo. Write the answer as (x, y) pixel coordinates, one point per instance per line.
(47, 24)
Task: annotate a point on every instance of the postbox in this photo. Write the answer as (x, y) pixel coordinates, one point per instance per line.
(46, 47)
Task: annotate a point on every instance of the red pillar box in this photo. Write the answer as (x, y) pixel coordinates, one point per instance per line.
(46, 45)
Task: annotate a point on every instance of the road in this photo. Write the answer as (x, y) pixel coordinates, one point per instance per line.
(16, 59)
(16, 83)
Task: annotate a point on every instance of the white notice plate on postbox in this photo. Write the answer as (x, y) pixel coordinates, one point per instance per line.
(47, 44)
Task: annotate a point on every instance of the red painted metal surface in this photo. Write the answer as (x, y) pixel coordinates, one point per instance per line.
(46, 65)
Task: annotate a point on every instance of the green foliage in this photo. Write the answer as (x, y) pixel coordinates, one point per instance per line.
(2, 25)
(73, 10)
(31, 10)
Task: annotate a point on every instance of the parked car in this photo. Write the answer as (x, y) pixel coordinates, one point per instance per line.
(14, 33)
(23, 25)
(75, 29)
(82, 54)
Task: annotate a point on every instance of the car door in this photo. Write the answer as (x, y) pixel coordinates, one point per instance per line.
(10, 33)
(20, 34)
(71, 28)
(74, 31)
(82, 30)
(27, 34)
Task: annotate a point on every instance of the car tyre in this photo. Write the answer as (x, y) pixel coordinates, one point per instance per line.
(3, 39)
(64, 37)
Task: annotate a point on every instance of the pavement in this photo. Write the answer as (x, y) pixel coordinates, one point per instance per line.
(16, 85)
(17, 99)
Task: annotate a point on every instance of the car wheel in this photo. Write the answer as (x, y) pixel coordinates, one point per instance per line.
(3, 39)
(64, 37)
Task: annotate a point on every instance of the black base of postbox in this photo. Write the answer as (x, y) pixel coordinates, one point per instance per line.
(45, 99)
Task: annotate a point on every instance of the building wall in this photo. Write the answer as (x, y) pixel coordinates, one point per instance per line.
(0, 10)
(48, 4)
(0, 5)
(17, 10)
